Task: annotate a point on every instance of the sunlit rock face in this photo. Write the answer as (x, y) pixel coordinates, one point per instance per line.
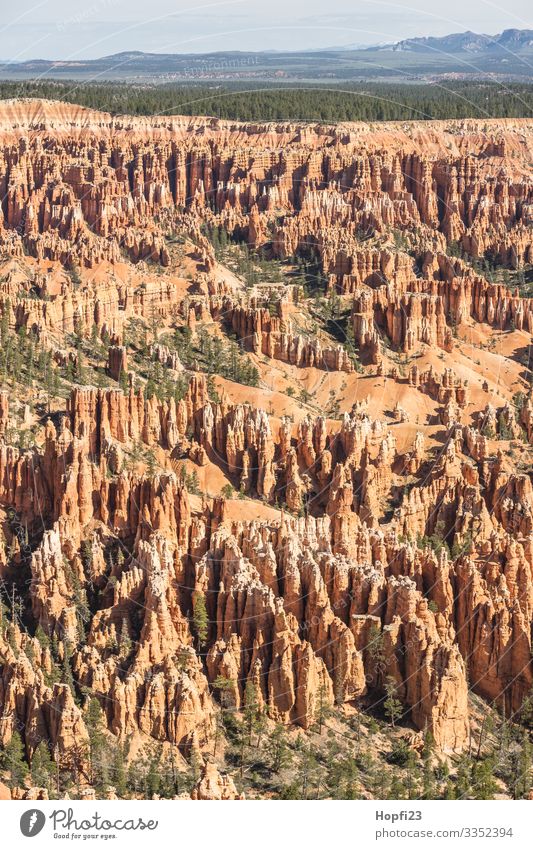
(383, 525)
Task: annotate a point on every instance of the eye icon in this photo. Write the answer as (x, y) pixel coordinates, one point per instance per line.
(32, 822)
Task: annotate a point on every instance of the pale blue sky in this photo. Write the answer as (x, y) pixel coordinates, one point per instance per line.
(81, 29)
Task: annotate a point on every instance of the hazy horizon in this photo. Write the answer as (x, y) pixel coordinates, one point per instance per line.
(62, 30)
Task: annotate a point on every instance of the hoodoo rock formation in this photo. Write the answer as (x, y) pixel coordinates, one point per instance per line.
(302, 486)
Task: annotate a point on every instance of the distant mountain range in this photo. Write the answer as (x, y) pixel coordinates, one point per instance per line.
(468, 55)
(468, 42)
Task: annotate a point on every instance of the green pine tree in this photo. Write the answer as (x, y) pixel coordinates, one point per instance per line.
(278, 750)
(392, 705)
(323, 708)
(42, 767)
(13, 760)
(98, 745)
(200, 618)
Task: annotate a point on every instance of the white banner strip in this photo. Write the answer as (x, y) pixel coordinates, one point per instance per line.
(269, 824)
